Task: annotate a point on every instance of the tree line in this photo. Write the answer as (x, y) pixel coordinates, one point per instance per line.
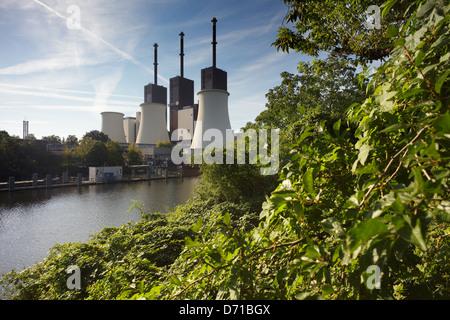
(21, 158)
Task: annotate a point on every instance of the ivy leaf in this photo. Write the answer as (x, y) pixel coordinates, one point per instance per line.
(198, 225)
(392, 31)
(140, 286)
(174, 280)
(364, 153)
(308, 182)
(365, 230)
(327, 289)
(336, 127)
(409, 232)
(396, 127)
(443, 211)
(442, 123)
(412, 92)
(226, 219)
(400, 42)
(440, 82)
(333, 227)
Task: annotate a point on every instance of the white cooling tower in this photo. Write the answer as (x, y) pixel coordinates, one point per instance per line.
(138, 122)
(212, 105)
(212, 114)
(152, 121)
(153, 126)
(112, 125)
(129, 125)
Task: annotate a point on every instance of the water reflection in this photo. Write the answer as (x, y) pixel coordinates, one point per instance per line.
(31, 222)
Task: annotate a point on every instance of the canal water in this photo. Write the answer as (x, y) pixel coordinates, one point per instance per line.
(32, 221)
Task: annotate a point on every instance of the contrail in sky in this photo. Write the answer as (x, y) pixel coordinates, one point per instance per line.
(112, 47)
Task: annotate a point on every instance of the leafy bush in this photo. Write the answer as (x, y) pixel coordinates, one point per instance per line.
(343, 206)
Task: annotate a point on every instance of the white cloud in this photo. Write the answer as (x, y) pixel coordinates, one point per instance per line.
(95, 103)
(54, 63)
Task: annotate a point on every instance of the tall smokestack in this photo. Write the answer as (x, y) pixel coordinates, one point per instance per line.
(214, 42)
(212, 103)
(181, 55)
(156, 63)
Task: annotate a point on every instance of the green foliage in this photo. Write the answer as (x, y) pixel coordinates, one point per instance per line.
(96, 135)
(115, 264)
(95, 152)
(21, 158)
(341, 27)
(71, 140)
(344, 205)
(238, 183)
(133, 155)
(115, 153)
(322, 90)
(92, 152)
(52, 139)
(164, 144)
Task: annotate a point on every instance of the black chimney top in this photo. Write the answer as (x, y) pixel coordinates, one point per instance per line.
(156, 63)
(181, 55)
(212, 77)
(152, 92)
(214, 42)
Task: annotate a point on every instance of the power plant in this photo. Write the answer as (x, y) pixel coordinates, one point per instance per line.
(112, 125)
(153, 121)
(183, 111)
(212, 101)
(150, 124)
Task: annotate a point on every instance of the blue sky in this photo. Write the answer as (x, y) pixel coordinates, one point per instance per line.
(60, 79)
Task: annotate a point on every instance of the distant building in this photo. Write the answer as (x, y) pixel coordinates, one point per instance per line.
(105, 174)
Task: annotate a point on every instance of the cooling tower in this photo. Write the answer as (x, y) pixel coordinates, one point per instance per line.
(129, 125)
(212, 114)
(138, 122)
(153, 127)
(153, 118)
(212, 103)
(112, 125)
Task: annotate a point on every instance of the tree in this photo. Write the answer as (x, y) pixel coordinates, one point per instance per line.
(71, 140)
(22, 158)
(71, 156)
(97, 135)
(115, 153)
(323, 89)
(133, 155)
(164, 144)
(52, 139)
(341, 27)
(92, 152)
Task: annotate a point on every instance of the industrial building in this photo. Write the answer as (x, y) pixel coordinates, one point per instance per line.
(212, 102)
(105, 174)
(150, 124)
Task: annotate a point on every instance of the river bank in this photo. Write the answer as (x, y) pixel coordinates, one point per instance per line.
(49, 182)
